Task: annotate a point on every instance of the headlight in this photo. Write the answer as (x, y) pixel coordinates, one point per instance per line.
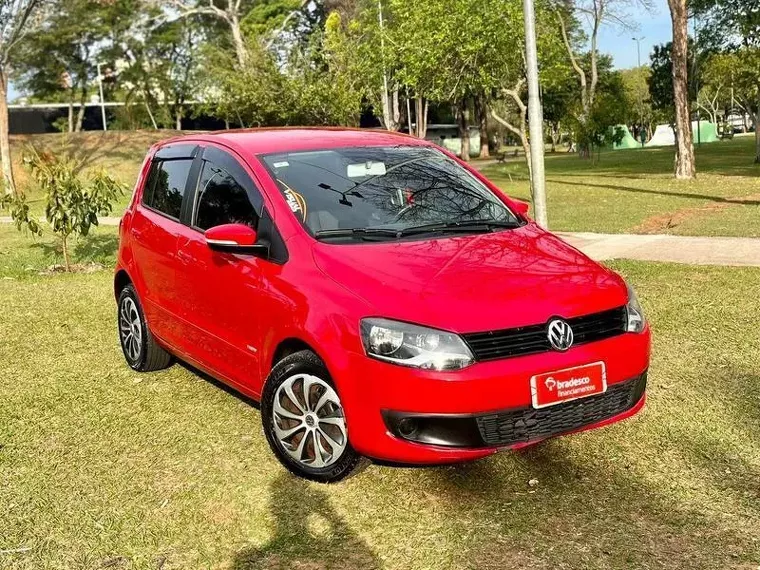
(412, 345)
(636, 320)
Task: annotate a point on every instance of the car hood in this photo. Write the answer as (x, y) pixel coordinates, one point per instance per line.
(473, 282)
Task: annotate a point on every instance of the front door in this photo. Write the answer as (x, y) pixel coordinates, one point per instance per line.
(222, 298)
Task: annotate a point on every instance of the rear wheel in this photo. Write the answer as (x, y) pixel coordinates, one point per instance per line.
(140, 348)
(304, 421)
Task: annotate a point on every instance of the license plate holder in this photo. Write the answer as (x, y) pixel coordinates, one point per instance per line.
(567, 384)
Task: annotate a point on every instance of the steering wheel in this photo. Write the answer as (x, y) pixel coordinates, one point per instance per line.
(403, 212)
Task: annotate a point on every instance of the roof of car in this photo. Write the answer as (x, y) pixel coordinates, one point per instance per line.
(288, 139)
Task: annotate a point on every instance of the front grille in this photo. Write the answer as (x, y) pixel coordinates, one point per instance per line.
(528, 424)
(532, 339)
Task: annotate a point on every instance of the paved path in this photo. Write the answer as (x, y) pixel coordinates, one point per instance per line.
(678, 249)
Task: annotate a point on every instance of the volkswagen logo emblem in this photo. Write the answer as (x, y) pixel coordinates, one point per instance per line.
(560, 334)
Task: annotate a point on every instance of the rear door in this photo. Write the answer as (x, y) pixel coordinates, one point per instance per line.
(155, 228)
(222, 296)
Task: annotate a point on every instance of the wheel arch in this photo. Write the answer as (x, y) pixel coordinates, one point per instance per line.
(121, 279)
(288, 346)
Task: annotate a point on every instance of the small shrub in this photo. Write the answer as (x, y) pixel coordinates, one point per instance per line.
(72, 203)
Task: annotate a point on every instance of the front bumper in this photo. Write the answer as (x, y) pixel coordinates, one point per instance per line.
(476, 411)
(515, 426)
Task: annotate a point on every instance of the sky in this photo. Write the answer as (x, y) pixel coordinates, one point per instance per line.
(653, 26)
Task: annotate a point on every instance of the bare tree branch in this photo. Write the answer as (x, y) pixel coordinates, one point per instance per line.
(284, 24)
(570, 52)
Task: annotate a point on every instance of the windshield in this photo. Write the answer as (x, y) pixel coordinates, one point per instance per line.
(377, 189)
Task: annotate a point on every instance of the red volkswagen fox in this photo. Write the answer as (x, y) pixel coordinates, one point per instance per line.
(376, 295)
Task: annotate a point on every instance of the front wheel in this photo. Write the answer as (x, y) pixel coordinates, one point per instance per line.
(304, 421)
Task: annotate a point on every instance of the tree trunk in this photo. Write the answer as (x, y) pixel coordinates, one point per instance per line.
(409, 114)
(5, 141)
(71, 115)
(757, 127)
(390, 108)
(685, 168)
(178, 114)
(463, 124)
(80, 112)
(555, 130)
(147, 108)
(526, 149)
(237, 38)
(421, 111)
(481, 111)
(65, 247)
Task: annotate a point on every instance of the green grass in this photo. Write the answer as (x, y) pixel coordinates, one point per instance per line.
(24, 256)
(634, 191)
(101, 467)
(622, 191)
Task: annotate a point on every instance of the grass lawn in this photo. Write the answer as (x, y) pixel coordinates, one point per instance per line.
(624, 191)
(101, 467)
(634, 191)
(24, 256)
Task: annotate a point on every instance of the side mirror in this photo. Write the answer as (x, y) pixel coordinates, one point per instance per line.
(235, 238)
(521, 207)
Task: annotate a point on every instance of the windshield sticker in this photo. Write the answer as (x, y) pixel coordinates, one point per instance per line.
(295, 200)
(281, 164)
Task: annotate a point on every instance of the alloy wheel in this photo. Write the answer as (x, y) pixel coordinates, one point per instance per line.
(130, 329)
(308, 421)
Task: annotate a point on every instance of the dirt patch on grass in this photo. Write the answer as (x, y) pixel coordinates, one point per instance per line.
(91, 267)
(663, 222)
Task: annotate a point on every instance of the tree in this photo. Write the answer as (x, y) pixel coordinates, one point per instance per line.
(745, 78)
(685, 166)
(16, 21)
(163, 66)
(609, 110)
(639, 106)
(59, 59)
(559, 95)
(716, 79)
(458, 52)
(72, 205)
(597, 13)
(230, 13)
(252, 95)
(740, 22)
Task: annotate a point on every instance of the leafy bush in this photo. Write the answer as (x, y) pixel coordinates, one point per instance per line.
(72, 204)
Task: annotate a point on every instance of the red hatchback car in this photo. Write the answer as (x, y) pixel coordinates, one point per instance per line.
(377, 296)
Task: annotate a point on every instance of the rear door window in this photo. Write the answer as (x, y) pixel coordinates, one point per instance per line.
(166, 186)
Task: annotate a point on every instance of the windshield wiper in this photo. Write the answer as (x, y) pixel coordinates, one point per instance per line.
(361, 233)
(439, 227)
(468, 226)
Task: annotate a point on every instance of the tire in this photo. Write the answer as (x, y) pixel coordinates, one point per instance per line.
(140, 348)
(308, 435)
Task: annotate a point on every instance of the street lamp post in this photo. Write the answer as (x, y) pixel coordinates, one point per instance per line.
(102, 100)
(641, 101)
(535, 116)
(696, 80)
